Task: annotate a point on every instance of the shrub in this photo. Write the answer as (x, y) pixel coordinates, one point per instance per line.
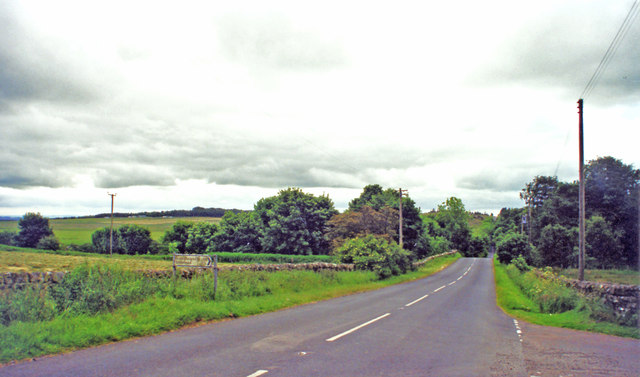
(440, 244)
(48, 243)
(375, 254)
(7, 237)
(477, 247)
(551, 295)
(557, 245)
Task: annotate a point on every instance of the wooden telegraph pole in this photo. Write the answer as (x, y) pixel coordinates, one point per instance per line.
(403, 193)
(111, 231)
(581, 242)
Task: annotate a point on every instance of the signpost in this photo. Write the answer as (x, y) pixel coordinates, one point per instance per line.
(197, 261)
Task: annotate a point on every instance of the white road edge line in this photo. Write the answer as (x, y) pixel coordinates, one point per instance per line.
(414, 301)
(444, 286)
(356, 328)
(258, 373)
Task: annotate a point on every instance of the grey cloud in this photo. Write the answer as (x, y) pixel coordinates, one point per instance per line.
(272, 41)
(504, 180)
(564, 50)
(34, 69)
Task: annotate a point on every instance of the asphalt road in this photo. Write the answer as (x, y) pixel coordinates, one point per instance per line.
(445, 325)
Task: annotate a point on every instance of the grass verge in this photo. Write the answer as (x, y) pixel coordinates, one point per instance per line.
(73, 318)
(628, 277)
(512, 299)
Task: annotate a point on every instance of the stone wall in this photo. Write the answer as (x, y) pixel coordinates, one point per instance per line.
(17, 280)
(422, 262)
(624, 299)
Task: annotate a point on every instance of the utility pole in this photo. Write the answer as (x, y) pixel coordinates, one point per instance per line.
(581, 242)
(111, 231)
(403, 193)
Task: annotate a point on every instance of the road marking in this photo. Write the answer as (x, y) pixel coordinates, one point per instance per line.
(258, 373)
(439, 289)
(452, 283)
(459, 278)
(356, 328)
(518, 330)
(414, 301)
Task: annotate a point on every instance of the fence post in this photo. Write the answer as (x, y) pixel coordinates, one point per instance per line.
(174, 265)
(215, 275)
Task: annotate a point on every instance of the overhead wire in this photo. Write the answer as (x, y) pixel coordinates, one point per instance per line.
(611, 51)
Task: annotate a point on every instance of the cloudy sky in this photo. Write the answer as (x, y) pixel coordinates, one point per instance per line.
(218, 104)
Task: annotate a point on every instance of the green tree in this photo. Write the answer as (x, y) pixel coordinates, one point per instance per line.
(32, 227)
(294, 222)
(512, 245)
(178, 235)
(612, 192)
(557, 246)
(134, 238)
(412, 225)
(201, 238)
(238, 232)
(603, 244)
(101, 239)
(48, 243)
(454, 219)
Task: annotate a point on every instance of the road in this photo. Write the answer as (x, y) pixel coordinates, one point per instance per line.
(445, 325)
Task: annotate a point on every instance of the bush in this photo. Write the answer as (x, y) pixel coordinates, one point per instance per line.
(7, 237)
(551, 295)
(375, 254)
(511, 246)
(439, 245)
(477, 247)
(101, 239)
(48, 243)
(557, 245)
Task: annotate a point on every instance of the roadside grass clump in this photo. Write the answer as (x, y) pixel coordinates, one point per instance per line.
(96, 305)
(547, 302)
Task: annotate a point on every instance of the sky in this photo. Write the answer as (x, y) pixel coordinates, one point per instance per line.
(219, 104)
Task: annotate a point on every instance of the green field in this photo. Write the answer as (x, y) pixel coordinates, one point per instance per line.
(78, 231)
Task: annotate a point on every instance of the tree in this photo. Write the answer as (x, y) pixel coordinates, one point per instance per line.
(454, 219)
(178, 235)
(201, 238)
(361, 222)
(101, 240)
(32, 227)
(612, 192)
(557, 246)
(603, 244)
(294, 222)
(412, 225)
(134, 238)
(511, 246)
(238, 232)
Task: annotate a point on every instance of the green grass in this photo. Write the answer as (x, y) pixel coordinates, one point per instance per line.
(78, 231)
(512, 299)
(15, 259)
(629, 277)
(168, 304)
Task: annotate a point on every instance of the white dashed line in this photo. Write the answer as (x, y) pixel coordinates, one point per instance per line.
(421, 298)
(518, 330)
(258, 373)
(452, 283)
(444, 286)
(356, 328)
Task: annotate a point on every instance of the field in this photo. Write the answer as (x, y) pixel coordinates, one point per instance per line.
(78, 231)
(629, 277)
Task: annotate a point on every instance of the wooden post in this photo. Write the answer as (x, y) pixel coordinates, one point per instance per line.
(400, 222)
(215, 275)
(581, 204)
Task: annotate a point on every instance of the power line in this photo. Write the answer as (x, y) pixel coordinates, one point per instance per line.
(611, 51)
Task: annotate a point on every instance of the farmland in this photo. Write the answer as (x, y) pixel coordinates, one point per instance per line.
(78, 231)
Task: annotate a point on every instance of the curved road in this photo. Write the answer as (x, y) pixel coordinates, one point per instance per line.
(445, 325)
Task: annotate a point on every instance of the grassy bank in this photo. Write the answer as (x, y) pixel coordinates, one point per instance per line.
(100, 305)
(549, 303)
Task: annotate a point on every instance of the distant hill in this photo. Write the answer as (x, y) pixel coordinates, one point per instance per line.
(195, 212)
(9, 218)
